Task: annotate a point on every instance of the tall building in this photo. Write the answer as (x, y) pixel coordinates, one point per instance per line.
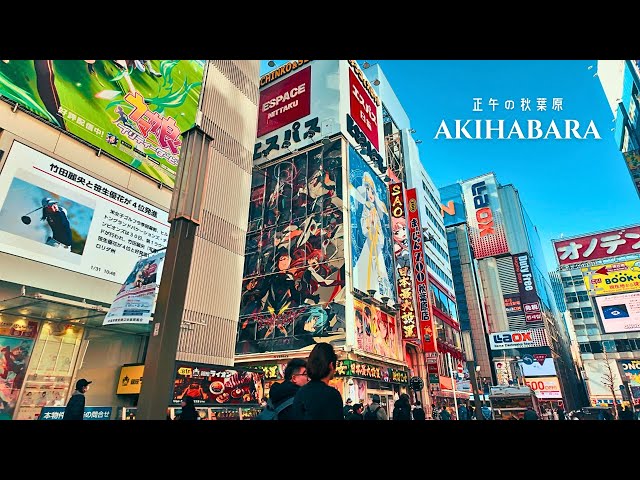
(620, 81)
(599, 276)
(508, 300)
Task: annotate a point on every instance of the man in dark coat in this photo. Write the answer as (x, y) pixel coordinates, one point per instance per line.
(530, 414)
(75, 406)
(295, 376)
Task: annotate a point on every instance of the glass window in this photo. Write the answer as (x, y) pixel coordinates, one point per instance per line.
(440, 329)
(596, 346)
(587, 312)
(580, 330)
(575, 313)
(583, 297)
(592, 330)
(585, 348)
(572, 297)
(453, 311)
(609, 345)
(623, 345)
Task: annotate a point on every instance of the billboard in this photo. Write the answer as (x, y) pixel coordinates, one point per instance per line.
(136, 300)
(420, 275)
(371, 249)
(632, 159)
(285, 102)
(545, 388)
(54, 214)
(294, 269)
(619, 313)
(363, 109)
(631, 371)
(134, 110)
(484, 217)
(612, 278)
(452, 207)
(527, 288)
(599, 377)
(15, 352)
(402, 262)
(533, 368)
(376, 331)
(216, 386)
(534, 337)
(130, 380)
(588, 248)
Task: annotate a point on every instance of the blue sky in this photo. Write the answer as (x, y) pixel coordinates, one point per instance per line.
(567, 187)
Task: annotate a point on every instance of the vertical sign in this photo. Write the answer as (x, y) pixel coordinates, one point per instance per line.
(527, 287)
(402, 262)
(420, 275)
(363, 109)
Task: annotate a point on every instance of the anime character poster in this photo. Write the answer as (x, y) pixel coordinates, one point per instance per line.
(371, 249)
(292, 292)
(14, 356)
(134, 110)
(376, 332)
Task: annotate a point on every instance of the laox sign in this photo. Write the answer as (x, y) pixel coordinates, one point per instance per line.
(512, 337)
(483, 212)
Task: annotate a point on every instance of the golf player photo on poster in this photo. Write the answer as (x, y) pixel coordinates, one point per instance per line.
(55, 214)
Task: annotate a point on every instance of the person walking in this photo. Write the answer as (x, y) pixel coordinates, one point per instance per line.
(188, 411)
(75, 406)
(418, 411)
(402, 408)
(317, 400)
(561, 414)
(356, 412)
(348, 408)
(463, 412)
(374, 410)
(295, 377)
(444, 413)
(530, 414)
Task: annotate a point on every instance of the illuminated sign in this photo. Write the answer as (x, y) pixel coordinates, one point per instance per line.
(544, 387)
(130, 380)
(282, 70)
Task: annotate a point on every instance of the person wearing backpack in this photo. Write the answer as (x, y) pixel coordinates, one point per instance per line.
(281, 394)
(374, 410)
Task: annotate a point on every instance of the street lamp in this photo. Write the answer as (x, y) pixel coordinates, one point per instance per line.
(471, 366)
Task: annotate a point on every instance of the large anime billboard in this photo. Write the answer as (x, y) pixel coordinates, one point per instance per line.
(134, 110)
(292, 292)
(371, 249)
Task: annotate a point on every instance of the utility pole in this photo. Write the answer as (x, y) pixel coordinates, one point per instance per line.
(471, 366)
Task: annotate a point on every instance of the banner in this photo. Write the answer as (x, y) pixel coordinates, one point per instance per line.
(15, 352)
(90, 413)
(54, 214)
(526, 286)
(402, 261)
(135, 302)
(545, 388)
(518, 339)
(420, 275)
(134, 110)
(612, 278)
(631, 371)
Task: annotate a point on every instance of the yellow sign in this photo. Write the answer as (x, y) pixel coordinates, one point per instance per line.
(611, 278)
(130, 380)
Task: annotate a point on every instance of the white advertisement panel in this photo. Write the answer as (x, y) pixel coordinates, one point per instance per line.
(535, 369)
(599, 376)
(619, 313)
(54, 214)
(534, 337)
(136, 300)
(545, 388)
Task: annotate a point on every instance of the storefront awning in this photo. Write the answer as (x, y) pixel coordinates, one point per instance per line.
(44, 307)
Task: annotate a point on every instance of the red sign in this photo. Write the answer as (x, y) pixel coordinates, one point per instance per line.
(363, 110)
(420, 275)
(285, 102)
(402, 262)
(540, 357)
(460, 368)
(624, 241)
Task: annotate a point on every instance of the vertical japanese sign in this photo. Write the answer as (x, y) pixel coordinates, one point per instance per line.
(136, 300)
(57, 215)
(527, 288)
(134, 110)
(402, 261)
(484, 217)
(363, 110)
(420, 275)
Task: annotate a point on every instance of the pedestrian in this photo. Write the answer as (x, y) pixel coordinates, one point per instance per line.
(561, 414)
(444, 413)
(75, 406)
(463, 412)
(348, 408)
(356, 412)
(637, 412)
(281, 394)
(486, 412)
(374, 410)
(317, 400)
(418, 411)
(188, 411)
(530, 414)
(402, 408)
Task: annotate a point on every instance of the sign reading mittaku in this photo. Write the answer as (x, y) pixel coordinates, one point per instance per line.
(612, 278)
(523, 129)
(90, 413)
(57, 215)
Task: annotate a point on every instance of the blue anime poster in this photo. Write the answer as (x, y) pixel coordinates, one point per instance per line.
(371, 249)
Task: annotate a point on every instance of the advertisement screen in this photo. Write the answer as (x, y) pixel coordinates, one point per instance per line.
(371, 249)
(216, 386)
(533, 368)
(484, 217)
(612, 278)
(544, 387)
(285, 102)
(54, 214)
(376, 331)
(134, 110)
(604, 245)
(619, 313)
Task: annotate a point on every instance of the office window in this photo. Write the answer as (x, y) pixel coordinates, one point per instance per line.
(623, 345)
(609, 346)
(583, 297)
(572, 297)
(575, 313)
(596, 347)
(592, 330)
(585, 347)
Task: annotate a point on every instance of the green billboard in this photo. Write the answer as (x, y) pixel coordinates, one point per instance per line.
(134, 110)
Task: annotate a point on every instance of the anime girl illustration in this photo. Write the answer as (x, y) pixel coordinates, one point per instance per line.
(400, 241)
(370, 270)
